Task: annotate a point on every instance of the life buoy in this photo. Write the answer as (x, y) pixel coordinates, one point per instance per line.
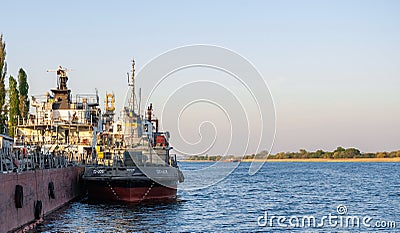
(51, 190)
(19, 196)
(38, 209)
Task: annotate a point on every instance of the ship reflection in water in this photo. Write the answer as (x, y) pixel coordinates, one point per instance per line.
(234, 204)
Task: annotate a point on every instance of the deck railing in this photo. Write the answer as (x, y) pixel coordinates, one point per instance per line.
(25, 159)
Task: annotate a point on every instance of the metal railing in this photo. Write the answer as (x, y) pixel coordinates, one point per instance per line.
(90, 99)
(25, 159)
(70, 116)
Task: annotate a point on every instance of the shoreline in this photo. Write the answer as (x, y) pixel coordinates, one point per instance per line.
(314, 160)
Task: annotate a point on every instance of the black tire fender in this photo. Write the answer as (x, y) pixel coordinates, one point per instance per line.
(38, 209)
(51, 190)
(19, 196)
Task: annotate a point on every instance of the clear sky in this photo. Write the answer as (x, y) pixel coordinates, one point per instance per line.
(333, 67)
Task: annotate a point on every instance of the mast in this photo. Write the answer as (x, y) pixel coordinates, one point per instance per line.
(131, 105)
(62, 94)
(132, 84)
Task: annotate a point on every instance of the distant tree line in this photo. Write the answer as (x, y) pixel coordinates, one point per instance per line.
(17, 107)
(339, 153)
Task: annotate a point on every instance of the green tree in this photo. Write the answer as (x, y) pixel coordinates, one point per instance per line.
(381, 155)
(23, 88)
(319, 154)
(352, 153)
(249, 156)
(14, 105)
(328, 155)
(3, 72)
(339, 149)
(262, 155)
(337, 154)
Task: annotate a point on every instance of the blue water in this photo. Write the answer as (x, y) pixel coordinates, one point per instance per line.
(291, 190)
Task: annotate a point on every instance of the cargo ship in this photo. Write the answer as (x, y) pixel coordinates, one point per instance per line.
(41, 167)
(133, 161)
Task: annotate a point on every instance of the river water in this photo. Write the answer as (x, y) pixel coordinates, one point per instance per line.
(280, 197)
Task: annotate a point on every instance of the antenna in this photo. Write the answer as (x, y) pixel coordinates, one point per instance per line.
(62, 77)
(127, 74)
(132, 84)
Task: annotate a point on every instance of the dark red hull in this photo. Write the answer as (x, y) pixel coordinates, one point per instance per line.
(67, 186)
(109, 191)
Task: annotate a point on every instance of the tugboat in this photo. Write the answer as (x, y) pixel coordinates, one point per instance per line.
(133, 161)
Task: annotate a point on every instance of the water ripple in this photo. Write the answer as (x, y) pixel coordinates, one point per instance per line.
(284, 189)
